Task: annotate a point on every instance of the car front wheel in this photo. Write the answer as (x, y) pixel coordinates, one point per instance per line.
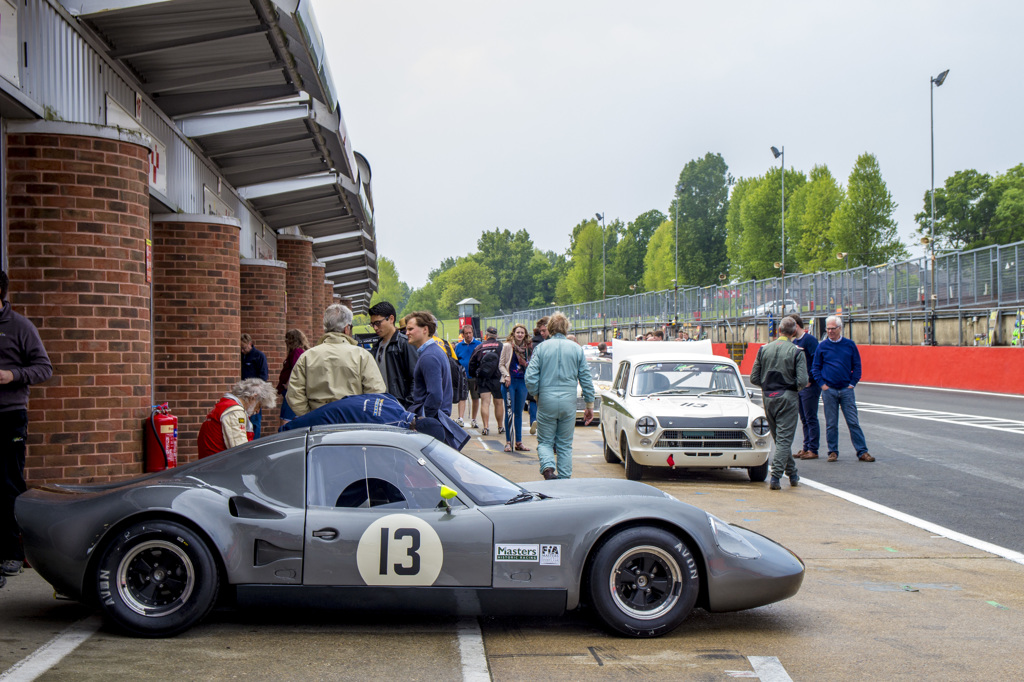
(634, 471)
(644, 582)
(156, 579)
(759, 473)
(609, 455)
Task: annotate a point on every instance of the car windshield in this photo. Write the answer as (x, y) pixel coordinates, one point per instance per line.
(686, 378)
(600, 370)
(482, 485)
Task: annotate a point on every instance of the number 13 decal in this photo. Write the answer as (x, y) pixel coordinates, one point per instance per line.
(399, 549)
(414, 544)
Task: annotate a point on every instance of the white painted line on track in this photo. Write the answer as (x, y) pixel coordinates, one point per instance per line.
(769, 669)
(933, 528)
(938, 388)
(481, 439)
(471, 651)
(51, 653)
(977, 421)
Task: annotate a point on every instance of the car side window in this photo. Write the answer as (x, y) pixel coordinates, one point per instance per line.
(620, 380)
(370, 476)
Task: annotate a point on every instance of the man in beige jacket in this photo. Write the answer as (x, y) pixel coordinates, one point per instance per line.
(335, 368)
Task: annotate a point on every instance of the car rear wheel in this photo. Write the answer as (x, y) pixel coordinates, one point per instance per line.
(634, 471)
(643, 582)
(759, 473)
(156, 579)
(609, 454)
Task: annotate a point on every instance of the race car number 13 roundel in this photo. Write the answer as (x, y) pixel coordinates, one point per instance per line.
(399, 549)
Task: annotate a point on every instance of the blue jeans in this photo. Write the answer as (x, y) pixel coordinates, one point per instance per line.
(556, 422)
(514, 396)
(533, 411)
(256, 420)
(809, 398)
(842, 398)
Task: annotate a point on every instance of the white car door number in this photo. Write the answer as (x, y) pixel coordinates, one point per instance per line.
(399, 549)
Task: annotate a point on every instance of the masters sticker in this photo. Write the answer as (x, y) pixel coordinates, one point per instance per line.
(550, 555)
(516, 553)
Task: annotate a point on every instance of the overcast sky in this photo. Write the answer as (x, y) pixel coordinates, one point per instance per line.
(476, 115)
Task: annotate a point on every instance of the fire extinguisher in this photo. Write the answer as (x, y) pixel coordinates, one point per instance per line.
(161, 443)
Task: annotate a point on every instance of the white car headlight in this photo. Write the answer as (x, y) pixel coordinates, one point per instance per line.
(761, 426)
(731, 542)
(646, 425)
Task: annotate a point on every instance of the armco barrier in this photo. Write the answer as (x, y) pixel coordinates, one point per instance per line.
(996, 370)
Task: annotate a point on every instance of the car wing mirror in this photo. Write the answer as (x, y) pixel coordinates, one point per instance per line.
(621, 392)
(750, 393)
(446, 495)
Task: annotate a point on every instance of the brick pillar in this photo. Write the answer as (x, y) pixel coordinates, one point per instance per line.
(328, 292)
(297, 252)
(262, 317)
(195, 317)
(317, 293)
(78, 219)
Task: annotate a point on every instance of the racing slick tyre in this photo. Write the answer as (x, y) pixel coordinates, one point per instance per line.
(156, 579)
(643, 582)
(759, 473)
(634, 471)
(609, 455)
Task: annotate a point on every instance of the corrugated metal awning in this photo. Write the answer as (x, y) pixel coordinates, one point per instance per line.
(248, 80)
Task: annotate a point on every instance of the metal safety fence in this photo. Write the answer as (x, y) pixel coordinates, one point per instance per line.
(954, 282)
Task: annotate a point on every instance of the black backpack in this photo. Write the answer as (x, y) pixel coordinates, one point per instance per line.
(487, 363)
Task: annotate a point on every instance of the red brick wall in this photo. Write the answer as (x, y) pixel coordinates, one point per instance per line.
(262, 317)
(78, 219)
(297, 252)
(196, 324)
(317, 294)
(328, 293)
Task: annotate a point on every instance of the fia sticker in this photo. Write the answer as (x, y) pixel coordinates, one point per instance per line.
(399, 549)
(550, 555)
(516, 553)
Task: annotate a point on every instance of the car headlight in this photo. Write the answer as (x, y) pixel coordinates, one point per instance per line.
(761, 426)
(646, 425)
(731, 542)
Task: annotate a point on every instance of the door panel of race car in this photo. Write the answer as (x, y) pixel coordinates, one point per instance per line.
(372, 519)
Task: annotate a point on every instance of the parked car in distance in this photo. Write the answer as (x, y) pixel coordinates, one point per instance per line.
(778, 309)
(601, 372)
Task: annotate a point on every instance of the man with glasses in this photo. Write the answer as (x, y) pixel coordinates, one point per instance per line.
(396, 358)
(836, 369)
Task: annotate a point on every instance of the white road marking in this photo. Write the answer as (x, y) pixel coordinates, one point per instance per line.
(480, 438)
(769, 669)
(945, 390)
(981, 422)
(471, 651)
(934, 528)
(51, 653)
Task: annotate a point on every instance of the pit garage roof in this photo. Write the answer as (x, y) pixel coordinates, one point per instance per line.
(248, 81)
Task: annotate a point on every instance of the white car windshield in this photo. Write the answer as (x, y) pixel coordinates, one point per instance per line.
(686, 378)
(600, 370)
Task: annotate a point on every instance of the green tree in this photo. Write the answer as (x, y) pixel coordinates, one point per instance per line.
(701, 204)
(1007, 195)
(583, 280)
(424, 298)
(507, 257)
(465, 279)
(734, 224)
(447, 263)
(863, 225)
(659, 268)
(964, 209)
(389, 287)
(760, 241)
(632, 247)
(808, 219)
(549, 269)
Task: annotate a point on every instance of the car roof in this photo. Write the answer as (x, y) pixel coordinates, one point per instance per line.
(663, 351)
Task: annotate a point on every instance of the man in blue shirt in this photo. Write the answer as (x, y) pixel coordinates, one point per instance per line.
(431, 378)
(254, 366)
(810, 396)
(464, 351)
(837, 370)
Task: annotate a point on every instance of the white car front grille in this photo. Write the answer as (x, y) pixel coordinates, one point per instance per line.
(695, 439)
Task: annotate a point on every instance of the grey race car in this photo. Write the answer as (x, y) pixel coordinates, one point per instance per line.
(377, 517)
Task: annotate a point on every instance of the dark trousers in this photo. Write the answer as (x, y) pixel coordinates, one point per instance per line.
(13, 433)
(809, 399)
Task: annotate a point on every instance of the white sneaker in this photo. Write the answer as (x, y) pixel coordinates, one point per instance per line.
(475, 425)
(460, 422)
(533, 428)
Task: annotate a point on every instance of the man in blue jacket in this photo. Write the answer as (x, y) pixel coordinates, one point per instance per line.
(837, 370)
(810, 395)
(254, 366)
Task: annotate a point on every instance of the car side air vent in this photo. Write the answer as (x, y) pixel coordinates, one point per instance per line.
(244, 508)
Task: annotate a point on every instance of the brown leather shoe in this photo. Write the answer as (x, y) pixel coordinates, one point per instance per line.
(810, 454)
(549, 474)
(833, 456)
(800, 455)
(865, 457)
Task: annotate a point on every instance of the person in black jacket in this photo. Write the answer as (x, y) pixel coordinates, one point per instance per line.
(395, 356)
(254, 366)
(483, 366)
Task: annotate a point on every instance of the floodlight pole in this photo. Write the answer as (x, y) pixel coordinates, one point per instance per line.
(933, 83)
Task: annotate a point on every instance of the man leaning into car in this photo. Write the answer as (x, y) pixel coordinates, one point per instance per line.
(780, 369)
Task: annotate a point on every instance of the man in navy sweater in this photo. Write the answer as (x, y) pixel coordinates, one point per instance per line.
(431, 378)
(254, 366)
(836, 369)
(810, 396)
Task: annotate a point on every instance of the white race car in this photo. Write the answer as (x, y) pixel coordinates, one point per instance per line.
(679, 405)
(601, 372)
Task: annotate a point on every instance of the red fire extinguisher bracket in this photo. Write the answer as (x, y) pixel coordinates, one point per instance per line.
(161, 439)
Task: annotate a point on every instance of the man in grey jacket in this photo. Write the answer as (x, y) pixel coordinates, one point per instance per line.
(23, 362)
(780, 369)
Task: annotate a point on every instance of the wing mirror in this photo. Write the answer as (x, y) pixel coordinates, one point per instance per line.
(750, 393)
(621, 392)
(447, 494)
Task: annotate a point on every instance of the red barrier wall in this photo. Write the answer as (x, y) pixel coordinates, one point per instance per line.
(973, 368)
